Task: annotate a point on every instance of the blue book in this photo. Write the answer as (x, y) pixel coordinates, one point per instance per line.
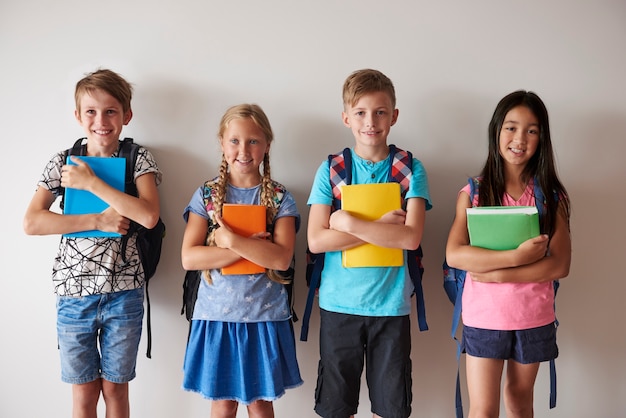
(112, 170)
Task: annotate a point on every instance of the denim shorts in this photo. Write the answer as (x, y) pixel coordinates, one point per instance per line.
(350, 342)
(526, 346)
(99, 336)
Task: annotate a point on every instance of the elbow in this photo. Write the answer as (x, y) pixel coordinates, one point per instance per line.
(284, 263)
(413, 243)
(315, 246)
(29, 227)
(563, 272)
(186, 261)
(150, 221)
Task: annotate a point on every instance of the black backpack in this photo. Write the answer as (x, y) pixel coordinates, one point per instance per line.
(192, 279)
(149, 241)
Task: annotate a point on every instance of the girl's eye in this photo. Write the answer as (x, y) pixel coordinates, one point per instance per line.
(254, 141)
(533, 132)
(234, 141)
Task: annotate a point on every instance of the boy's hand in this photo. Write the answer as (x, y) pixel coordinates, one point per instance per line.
(79, 176)
(396, 216)
(339, 220)
(111, 221)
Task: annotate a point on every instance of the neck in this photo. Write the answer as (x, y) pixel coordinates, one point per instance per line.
(244, 181)
(95, 151)
(374, 154)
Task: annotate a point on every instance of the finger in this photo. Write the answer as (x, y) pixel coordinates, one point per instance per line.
(76, 160)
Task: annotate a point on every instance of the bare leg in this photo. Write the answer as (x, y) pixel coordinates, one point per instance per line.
(224, 409)
(116, 399)
(483, 382)
(85, 399)
(261, 409)
(518, 389)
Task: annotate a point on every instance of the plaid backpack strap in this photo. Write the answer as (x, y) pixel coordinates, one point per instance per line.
(340, 166)
(401, 167)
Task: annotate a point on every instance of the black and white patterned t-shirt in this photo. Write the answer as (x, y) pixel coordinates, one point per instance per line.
(89, 266)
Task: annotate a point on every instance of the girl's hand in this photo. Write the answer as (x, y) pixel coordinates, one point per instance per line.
(532, 250)
(489, 277)
(224, 235)
(79, 176)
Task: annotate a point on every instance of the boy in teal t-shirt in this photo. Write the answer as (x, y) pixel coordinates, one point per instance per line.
(365, 310)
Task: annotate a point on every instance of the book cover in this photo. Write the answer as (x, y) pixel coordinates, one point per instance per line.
(244, 220)
(111, 170)
(502, 227)
(369, 202)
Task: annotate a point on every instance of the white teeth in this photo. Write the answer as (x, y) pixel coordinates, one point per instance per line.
(102, 132)
(516, 150)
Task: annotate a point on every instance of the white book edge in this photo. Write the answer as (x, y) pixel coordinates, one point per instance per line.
(507, 210)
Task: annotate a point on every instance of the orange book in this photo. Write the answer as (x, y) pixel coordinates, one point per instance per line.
(244, 220)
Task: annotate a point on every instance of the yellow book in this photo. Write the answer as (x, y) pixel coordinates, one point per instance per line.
(244, 220)
(369, 202)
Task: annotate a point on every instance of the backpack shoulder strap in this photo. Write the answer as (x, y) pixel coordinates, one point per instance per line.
(541, 204)
(401, 168)
(340, 174)
(340, 166)
(129, 150)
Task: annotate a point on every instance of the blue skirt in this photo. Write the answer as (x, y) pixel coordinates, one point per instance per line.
(244, 362)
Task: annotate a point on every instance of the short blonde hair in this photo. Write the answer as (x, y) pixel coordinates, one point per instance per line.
(362, 82)
(108, 81)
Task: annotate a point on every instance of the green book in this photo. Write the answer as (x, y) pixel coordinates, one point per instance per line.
(502, 227)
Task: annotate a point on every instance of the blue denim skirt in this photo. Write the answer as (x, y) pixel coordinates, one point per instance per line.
(244, 362)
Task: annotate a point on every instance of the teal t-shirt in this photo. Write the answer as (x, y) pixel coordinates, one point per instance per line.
(366, 291)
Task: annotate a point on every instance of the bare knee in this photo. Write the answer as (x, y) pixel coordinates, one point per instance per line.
(114, 391)
(261, 409)
(518, 389)
(116, 398)
(224, 409)
(85, 398)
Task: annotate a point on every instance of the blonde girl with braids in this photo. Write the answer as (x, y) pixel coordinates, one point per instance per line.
(241, 346)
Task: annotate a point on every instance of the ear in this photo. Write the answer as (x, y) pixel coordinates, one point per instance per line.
(394, 117)
(345, 119)
(128, 116)
(77, 116)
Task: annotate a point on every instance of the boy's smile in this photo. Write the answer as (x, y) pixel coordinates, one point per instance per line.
(370, 120)
(102, 117)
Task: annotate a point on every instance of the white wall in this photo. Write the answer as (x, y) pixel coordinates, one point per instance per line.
(189, 60)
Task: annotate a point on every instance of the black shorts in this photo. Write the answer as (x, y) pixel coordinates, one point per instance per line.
(524, 346)
(347, 343)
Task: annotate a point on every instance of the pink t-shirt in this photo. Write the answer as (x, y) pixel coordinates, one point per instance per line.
(508, 306)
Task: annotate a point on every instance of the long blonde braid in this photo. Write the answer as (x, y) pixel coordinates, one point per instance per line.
(267, 200)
